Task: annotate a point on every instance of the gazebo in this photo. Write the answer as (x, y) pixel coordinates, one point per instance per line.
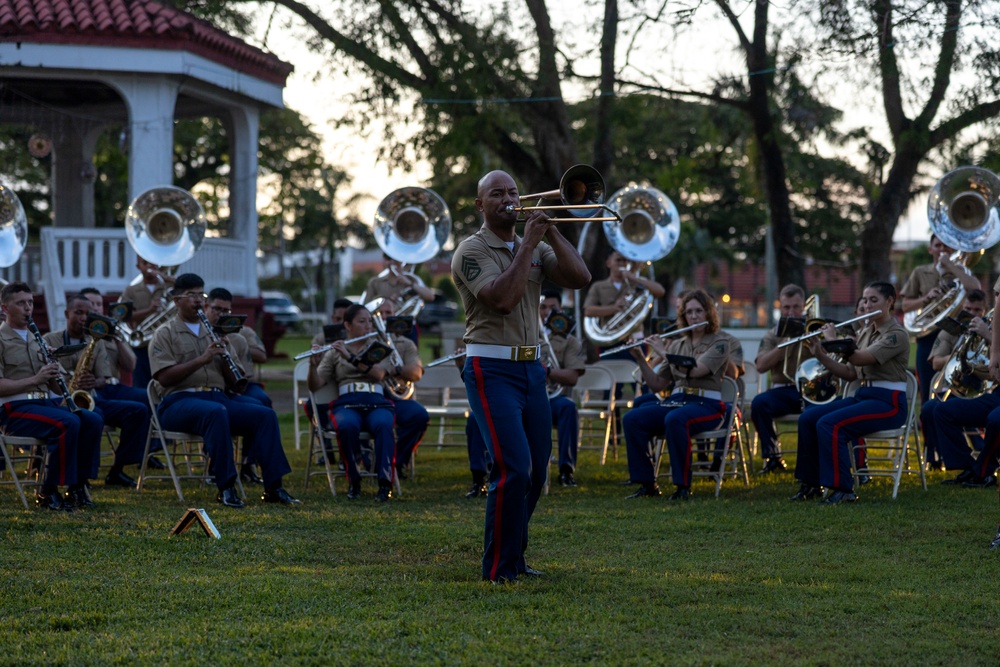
(71, 68)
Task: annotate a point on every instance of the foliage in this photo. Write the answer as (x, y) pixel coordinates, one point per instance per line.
(29, 176)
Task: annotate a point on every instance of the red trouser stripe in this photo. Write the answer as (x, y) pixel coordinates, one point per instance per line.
(852, 420)
(498, 455)
(62, 439)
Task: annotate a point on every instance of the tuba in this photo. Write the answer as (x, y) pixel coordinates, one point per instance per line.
(966, 373)
(963, 212)
(165, 226)
(648, 230)
(13, 228)
(411, 226)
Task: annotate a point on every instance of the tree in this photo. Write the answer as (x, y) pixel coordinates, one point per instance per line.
(937, 64)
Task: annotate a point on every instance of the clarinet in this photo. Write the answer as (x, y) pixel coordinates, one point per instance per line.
(49, 359)
(235, 380)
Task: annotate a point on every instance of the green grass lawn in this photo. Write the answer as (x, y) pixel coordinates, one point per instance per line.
(748, 578)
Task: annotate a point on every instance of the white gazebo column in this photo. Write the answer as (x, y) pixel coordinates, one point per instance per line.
(244, 125)
(151, 102)
(73, 173)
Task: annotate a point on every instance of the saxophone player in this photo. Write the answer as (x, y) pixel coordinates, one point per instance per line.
(27, 409)
(564, 361)
(92, 370)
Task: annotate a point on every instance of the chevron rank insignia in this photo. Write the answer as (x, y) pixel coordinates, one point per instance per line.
(470, 268)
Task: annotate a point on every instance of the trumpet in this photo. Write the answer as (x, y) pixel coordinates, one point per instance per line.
(819, 332)
(329, 346)
(664, 335)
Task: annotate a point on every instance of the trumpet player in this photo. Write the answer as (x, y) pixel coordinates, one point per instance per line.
(879, 359)
(187, 361)
(361, 403)
(130, 415)
(565, 361)
(147, 297)
(783, 397)
(921, 289)
(27, 385)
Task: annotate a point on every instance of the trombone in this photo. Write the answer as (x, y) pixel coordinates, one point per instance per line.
(581, 190)
(819, 332)
(642, 341)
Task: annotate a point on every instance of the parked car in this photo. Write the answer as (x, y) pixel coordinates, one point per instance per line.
(281, 306)
(441, 309)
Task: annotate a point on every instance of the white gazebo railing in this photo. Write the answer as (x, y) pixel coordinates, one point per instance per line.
(103, 258)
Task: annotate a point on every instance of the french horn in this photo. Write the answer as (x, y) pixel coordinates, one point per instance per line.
(411, 226)
(649, 228)
(963, 212)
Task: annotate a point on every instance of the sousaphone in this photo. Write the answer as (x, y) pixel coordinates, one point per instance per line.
(649, 228)
(13, 228)
(411, 226)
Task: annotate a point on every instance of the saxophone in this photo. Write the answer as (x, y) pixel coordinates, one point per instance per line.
(82, 398)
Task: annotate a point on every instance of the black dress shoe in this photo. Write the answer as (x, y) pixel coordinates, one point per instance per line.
(960, 478)
(230, 498)
(154, 463)
(807, 492)
(682, 493)
(478, 490)
(248, 474)
(774, 464)
(384, 492)
(837, 497)
(567, 479)
(78, 497)
(646, 491)
(118, 478)
(532, 572)
(52, 501)
(981, 482)
(354, 490)
(279, 495)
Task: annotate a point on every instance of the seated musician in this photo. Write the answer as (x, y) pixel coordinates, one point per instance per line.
(411, 417)
(318, 341)
(610, 296)
(783, 397)
(694, 406)
(191, 367)
(27, 409)
(825, 431)
(563, 368)
(220, 302)
(397, 285)
(148, 298)
(361, 404)
(944, 423)
(129, 414)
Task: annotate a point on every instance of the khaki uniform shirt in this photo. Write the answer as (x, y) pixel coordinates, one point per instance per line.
(922, 280)
(735, 354)
(891, 347)
(568, 351)
(100, 366)
(604, 293)
(336, 370)
(111, 351)
(944, 344)
(383, 287)
(19, 359)
(407, 350)
(769, 342)
(712, 351)
(477, 262)
(174, 343)
(253, 343)
(141, 297)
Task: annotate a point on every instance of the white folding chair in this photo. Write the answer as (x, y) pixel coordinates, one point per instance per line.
(299, 375)
(177, 445)
(889, 450)
(321, 400)
(595, 396)
(442, 392)
(718, 453)
(18, 451)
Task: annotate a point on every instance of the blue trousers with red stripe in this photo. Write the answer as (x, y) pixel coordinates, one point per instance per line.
(373, 412)
(216, 418)
(73, 438)
(132, 419)
(476, 445)
(680, 417)
(411, 424)
(512, 409)
(826, 432)
(765, 408)
(944, 425)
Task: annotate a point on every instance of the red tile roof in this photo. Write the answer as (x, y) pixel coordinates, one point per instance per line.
(132, 23)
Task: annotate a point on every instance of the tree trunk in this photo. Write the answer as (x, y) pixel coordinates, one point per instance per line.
(886, 210)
